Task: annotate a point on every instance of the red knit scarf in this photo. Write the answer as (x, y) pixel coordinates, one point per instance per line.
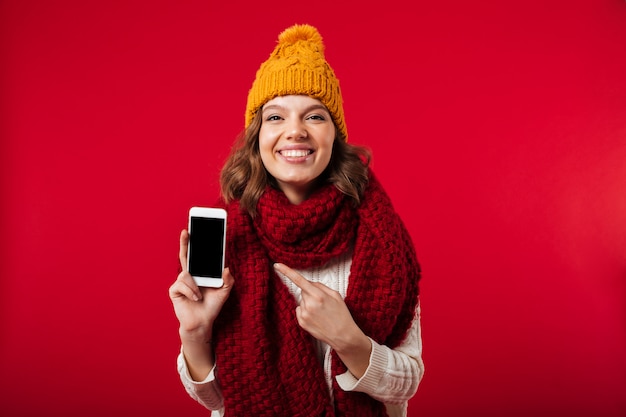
(266, 363)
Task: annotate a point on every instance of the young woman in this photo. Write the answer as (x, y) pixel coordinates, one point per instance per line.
(319, 311)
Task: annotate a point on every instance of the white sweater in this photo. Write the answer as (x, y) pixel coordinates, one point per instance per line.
(392, 376)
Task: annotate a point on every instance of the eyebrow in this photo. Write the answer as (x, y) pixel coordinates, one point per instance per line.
(308, 109)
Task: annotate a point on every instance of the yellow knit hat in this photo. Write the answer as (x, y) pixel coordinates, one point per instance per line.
(297, 66)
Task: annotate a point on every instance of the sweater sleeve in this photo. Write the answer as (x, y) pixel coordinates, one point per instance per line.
(393, 375)
(205, 392)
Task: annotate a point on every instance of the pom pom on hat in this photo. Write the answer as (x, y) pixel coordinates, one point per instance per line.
(297, 66)
(297, 33)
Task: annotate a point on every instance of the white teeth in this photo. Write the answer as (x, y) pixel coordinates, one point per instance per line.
(295, 153)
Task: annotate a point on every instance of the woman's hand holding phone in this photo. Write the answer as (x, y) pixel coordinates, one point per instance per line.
(197, 307)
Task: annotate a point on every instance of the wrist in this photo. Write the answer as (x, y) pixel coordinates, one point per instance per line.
(355, 351)
(201, 336)
(357, 342)
(198, 353)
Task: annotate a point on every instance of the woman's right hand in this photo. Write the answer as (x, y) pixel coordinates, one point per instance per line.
(197, 308)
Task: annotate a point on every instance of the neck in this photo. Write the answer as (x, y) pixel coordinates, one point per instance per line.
(296, 195)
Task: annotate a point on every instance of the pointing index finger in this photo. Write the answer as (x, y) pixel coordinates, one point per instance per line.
(295, 277)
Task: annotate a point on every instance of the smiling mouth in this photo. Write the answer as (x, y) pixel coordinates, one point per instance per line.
(296, 153)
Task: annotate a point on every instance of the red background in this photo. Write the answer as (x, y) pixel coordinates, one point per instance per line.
(498, 128)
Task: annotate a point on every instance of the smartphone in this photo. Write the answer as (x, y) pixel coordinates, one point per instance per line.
(207, 245)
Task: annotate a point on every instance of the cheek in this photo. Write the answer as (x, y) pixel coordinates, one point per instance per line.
(267, 156)
(329, 146)
(266, 146)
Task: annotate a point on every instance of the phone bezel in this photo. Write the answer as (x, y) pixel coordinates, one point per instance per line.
(211, 213)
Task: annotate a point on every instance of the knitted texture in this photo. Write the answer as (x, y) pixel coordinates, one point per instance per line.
(297, 66)
(267, 364)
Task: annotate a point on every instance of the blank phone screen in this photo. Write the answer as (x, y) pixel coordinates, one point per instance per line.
(206, 238)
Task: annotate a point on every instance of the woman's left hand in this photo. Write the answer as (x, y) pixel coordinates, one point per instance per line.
(323, 313)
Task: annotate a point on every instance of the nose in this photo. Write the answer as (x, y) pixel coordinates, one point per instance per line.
(296, 130)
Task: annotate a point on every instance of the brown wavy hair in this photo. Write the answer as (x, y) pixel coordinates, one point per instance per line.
(244, 177)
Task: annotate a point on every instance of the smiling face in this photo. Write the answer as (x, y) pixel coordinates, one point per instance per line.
(296, 143)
